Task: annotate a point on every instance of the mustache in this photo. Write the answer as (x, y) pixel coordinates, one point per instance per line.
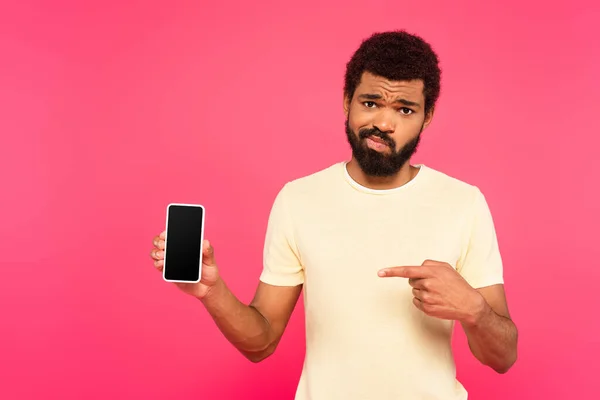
(365, 133)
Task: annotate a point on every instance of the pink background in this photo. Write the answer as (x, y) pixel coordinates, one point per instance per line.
(108, 112)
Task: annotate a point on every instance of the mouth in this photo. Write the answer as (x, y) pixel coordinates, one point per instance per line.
(376, 143)
(376, 139)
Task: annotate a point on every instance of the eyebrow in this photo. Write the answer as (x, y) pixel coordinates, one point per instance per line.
(379, 97)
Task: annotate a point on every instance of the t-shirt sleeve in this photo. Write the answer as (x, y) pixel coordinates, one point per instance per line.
(281, 261)
(482, 263)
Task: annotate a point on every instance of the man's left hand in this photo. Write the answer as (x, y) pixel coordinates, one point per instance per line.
(440, 291)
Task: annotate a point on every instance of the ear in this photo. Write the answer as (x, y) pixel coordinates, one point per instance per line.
(428, 117)
(346, 106)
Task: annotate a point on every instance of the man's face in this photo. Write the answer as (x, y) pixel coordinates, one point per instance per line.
(384, 120)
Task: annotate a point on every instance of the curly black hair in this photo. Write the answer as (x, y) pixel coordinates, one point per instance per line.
(397, 56)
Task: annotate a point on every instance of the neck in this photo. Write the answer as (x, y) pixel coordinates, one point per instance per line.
(402, 177)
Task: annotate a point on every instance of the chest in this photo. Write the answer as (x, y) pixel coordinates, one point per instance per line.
(347, 243)
(343, 247)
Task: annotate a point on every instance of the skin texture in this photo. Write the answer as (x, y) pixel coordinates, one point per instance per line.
(395, 112)
(397, 120)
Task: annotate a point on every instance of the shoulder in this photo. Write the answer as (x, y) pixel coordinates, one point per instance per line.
(316, 182)
(451, 190)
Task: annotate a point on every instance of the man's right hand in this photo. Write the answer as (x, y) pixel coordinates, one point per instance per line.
(210, 272)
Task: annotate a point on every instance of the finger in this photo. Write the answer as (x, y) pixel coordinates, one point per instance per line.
(421, 283)
(430, 262)
(159, 264)
(424, 296)
(414, 281)
(405, 272)
(208, 253)
(418, 303)
(157, 254)
(417, 294)
(163, 235)
(157, 240)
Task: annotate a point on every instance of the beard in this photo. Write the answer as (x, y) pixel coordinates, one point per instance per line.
(377, 164)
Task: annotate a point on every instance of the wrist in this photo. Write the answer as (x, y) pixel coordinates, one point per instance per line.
(212, 291)
(478, 311)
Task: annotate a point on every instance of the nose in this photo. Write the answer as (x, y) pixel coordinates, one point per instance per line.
(385, 121)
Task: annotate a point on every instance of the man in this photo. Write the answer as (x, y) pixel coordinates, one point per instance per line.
(389, 254)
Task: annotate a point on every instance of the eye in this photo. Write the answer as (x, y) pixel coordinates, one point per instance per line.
(406, 111)
(370, 104)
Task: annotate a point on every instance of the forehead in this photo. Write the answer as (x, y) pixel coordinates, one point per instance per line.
(373, 84)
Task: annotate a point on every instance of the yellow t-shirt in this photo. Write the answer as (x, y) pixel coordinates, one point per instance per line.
(365, 340)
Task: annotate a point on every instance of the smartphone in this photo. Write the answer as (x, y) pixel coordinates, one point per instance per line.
(183, 243)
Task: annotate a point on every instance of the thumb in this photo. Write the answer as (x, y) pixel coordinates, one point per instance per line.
(208, 253)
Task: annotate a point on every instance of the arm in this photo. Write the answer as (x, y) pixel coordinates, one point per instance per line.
(439, 291)
(254, 329)
(491, 334)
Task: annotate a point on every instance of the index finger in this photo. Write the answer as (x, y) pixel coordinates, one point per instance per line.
(414, 272)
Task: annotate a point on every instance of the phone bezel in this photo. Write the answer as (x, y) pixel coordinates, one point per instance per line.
(167, 238)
